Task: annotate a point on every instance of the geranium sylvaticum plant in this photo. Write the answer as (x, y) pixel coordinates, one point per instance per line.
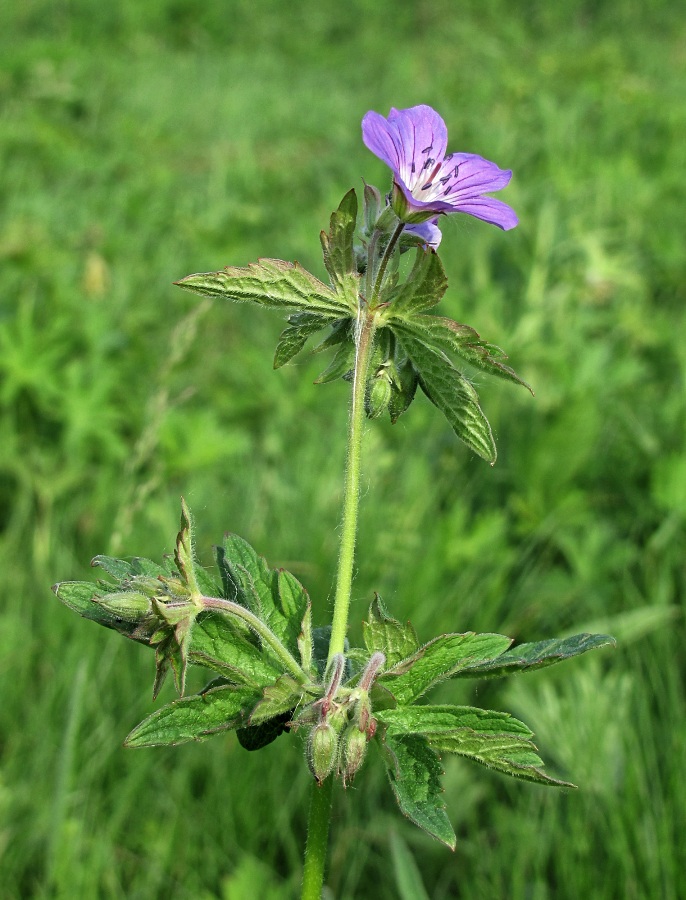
(273, 673)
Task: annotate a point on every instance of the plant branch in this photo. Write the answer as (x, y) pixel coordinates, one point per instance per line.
(261, 630)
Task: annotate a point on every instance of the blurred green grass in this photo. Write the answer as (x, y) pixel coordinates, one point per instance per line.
(141, 142)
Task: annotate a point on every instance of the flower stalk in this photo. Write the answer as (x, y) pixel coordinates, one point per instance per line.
(364, 341)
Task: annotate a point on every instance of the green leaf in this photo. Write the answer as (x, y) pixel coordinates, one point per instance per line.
(337, 245)
(494, 739)
(508, 754)
(537, 655)
(446, 719)
(342, 363)
(391, 637)
(276, 597)
(415, 772)
(447, 336)
(452, 394)
(271, 283)
(282, 696)
(293, 338)
(194, 718)
(255, 737)
(424, 287)
(403, 389)
(218, 645)
(441, 658)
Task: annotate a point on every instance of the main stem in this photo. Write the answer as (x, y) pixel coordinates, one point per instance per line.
(317, 839)
(320, 802)
(351, 496)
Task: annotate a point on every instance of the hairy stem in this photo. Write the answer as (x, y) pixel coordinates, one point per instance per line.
(351, 495)
(317, 839)
(388, 252)
(261, 630)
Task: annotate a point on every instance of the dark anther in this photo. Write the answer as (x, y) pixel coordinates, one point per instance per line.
(445, 178)
(426, 186)
(456, 171)
(428, 163)
(428, 149)
(413, 169)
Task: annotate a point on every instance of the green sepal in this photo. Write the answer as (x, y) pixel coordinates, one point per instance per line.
(414, 772)
(306, 642)
(452, 394)
(446, 336)
(184, 553)
(272, 283)
(194, 718)
(301, 326)
(422, 289)
(441, 658)
(381, 632)
(536, 655)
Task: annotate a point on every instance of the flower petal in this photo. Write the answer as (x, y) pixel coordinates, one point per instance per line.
(428, 232)
(493, 211)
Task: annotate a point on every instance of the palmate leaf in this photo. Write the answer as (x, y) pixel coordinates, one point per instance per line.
(271, 283)
(451, 393)
(414, 772)
(441, 658)
(195, 718)
(537, 655)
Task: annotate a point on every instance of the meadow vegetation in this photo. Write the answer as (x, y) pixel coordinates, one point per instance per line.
(140, 142)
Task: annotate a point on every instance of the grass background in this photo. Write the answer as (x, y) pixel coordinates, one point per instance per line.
(142, 142)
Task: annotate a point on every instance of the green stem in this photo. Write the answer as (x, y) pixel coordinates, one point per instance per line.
(317, 839)
(351, 494)
(388, 252)
(260, 629)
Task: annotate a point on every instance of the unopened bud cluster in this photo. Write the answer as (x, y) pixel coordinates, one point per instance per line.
(338, 741)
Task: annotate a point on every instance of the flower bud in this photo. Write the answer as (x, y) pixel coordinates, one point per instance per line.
(378, 394)
(354, 743)
(129, 606)
(322, 750)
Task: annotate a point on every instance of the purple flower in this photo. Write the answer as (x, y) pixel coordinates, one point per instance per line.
(426, 182)
(428, 232)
